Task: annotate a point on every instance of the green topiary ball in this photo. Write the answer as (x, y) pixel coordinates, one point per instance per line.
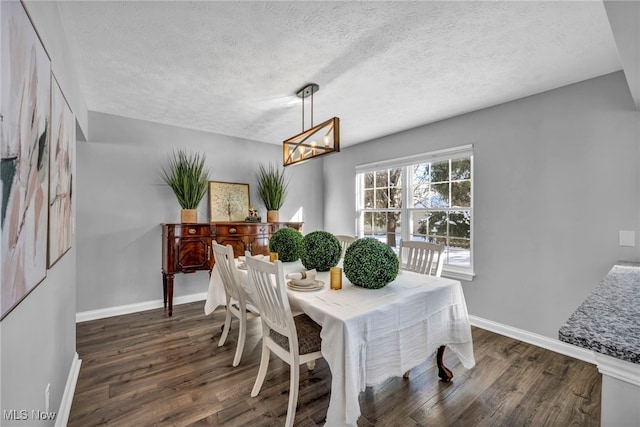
(286, 242)
(320, 250)
(370, 263)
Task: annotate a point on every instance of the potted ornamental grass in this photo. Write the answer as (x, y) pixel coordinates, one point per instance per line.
(272, 189)
(188, 178)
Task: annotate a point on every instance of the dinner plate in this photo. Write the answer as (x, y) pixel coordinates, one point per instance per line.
(306, 288)
(303, 282)
(242, 266)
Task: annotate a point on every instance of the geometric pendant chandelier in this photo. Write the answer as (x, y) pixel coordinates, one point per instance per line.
(315, 141)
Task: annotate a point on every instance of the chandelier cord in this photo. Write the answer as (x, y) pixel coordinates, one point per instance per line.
(312, 106)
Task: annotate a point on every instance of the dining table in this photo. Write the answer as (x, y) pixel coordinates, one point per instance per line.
(370, 335)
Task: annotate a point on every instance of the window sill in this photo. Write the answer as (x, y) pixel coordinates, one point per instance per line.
(458, 274)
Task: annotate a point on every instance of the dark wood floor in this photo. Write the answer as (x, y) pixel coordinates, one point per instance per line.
(146, 369)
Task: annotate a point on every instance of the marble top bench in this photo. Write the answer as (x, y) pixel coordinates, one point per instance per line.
(608, 321)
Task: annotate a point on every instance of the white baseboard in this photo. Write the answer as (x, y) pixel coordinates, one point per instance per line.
(618, 369)
(535, 339)
(134, 308)
(69, 390)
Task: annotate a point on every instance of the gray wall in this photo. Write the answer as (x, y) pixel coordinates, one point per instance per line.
(38, 336)
(123, 201)
(572, 151)
(556, 177)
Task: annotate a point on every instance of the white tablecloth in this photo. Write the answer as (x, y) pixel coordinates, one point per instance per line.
(369, 335)
(215, 293)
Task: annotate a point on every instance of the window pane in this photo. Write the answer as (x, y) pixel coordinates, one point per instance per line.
(379, 223)
(437, 223)
(368, 180)
(421, 174)
(386, 227)
(421, 196)
(461, 194)
(382, 198)
(458, 253)
(418, 224)
(395, 197)
(440, 171)
(420, 227)
(393, 229)
(395, 188)
(460, 224)
(382, 178)
(368, 223)
(460, 169)
(439, 196)
(395, 177)
(368, 199)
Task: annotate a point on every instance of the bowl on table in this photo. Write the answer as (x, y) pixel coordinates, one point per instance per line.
(304, 282)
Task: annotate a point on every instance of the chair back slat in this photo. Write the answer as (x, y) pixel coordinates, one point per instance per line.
(266, 281)
(421, 257)
(345, 242)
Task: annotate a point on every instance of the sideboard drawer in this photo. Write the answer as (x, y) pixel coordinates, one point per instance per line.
(241, 229)
(190, 230)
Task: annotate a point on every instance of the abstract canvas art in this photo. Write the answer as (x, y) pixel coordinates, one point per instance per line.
(60, 174)
(229, 201)
(24, 153)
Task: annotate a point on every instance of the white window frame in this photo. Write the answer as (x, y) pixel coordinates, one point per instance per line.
(452, 271)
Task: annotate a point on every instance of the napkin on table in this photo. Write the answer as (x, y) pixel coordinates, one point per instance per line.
(309, 274)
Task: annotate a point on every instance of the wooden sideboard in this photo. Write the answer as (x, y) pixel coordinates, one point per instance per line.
(186, 248)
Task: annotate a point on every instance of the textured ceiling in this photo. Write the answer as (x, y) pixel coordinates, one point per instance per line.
(233, 67)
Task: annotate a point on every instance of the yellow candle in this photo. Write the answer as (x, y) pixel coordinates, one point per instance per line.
(273, 256)
(336, 278)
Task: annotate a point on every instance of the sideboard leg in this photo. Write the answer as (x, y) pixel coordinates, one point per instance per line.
(170, 293)
(164, 289)
(443, 372)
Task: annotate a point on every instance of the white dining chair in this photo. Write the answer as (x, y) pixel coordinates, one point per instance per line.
(345, 242)
(296, 340)
(237, 301)
(421, 257)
